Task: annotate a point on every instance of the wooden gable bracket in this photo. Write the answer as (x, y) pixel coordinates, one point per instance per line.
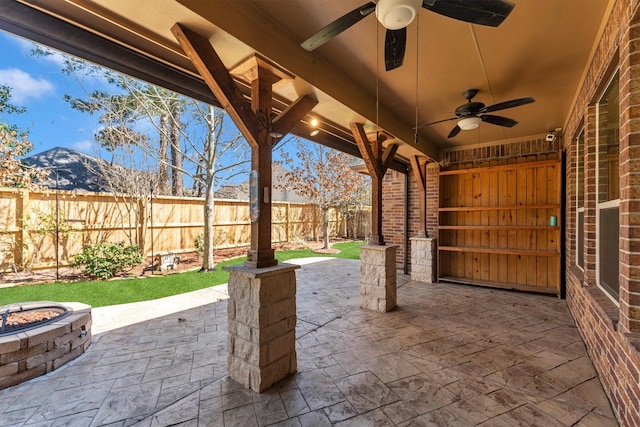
(216, 76)
(377, 159)
(255, 121)
(419, 169)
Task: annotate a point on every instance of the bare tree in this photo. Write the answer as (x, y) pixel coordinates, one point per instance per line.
(14, 144)
(180, 137)
(322, 175)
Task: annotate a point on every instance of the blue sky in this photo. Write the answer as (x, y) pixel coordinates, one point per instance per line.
(39, 86)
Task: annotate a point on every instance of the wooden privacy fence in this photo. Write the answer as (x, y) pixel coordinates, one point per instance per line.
(28, 225)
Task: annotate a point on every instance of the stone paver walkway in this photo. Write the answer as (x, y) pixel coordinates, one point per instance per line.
(451, 355)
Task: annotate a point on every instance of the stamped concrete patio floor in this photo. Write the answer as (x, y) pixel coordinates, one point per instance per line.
(450, 355)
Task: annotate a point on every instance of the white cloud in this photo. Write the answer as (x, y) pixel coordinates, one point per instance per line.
(27, 46)
(23, 86)
(85, 146)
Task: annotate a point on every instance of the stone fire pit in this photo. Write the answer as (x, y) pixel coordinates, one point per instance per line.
(36, 338)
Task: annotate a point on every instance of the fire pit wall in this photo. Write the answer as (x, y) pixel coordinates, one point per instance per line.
(29, 354)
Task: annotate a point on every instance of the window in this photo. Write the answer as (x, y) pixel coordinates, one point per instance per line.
(608, 188)
(580, 200)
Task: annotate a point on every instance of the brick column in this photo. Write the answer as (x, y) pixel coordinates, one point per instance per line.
(423, 259)
(630, 179)
(262, 324)
(378, 277)
(433, 198)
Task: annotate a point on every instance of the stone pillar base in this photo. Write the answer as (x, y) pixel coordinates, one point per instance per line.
(378, 278)
(262, 324)
(423, 259)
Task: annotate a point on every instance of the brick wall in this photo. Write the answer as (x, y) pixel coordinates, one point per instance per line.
(614, 355)
(610, 329)
(513, 149)
(393, 193)
(433, 198)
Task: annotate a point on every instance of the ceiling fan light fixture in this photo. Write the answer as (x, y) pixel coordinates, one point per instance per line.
(396, 14)
(469, 123)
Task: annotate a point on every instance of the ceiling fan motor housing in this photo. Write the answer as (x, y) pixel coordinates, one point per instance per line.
(469, 109)
(396, 14)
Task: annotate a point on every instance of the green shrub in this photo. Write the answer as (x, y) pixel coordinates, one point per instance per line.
(199, 243)
(105, 260)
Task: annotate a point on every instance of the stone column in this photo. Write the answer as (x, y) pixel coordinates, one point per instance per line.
(423, 259)
(262, 324)
(378, 277)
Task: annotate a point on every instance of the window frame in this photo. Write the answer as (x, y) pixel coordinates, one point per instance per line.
(607, 204)
(580, 173)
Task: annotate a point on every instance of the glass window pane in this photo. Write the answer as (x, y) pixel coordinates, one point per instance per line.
(580, 239)
(609, 249)
(609, 144)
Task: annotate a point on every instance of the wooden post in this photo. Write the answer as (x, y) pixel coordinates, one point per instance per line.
(287, 221)
(377, 161)
(19, 255)
(141, 228)
(256, 122)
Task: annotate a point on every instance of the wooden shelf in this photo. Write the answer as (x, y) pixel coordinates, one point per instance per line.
(503, 251)
(495, 225)
(501, 285)
(511, 166)
(499, 227)
(497, 208)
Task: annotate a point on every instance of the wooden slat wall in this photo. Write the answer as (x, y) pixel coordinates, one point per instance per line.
(494, 224)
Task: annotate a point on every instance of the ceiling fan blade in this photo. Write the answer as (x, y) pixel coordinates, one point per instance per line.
(508, 104)
(498, 120)
(338, 26)
(395, 43)
(454, 132)
(481, 12)
(439, 121)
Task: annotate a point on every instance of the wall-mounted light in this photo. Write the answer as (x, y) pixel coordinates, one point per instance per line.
(314, 124)
(551, 135)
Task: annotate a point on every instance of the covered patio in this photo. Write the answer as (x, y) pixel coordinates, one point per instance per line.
(449, 355)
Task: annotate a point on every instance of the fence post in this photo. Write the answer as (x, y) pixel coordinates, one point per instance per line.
(287, 221)
(140, 226)
(315, 223)
(22, 200)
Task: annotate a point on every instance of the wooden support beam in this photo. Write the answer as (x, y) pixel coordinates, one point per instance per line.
(255, 121)
(210, 66)
(366, 151)
(292, 115)
(387, 156)
(377, 159)
(419, 170)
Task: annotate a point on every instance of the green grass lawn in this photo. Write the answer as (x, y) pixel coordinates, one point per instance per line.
(112, 292)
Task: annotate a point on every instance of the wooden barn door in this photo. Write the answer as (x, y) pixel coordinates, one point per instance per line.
(500, 226)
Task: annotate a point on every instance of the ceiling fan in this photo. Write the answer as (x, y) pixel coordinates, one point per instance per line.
(396, 15)
(470, 115)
